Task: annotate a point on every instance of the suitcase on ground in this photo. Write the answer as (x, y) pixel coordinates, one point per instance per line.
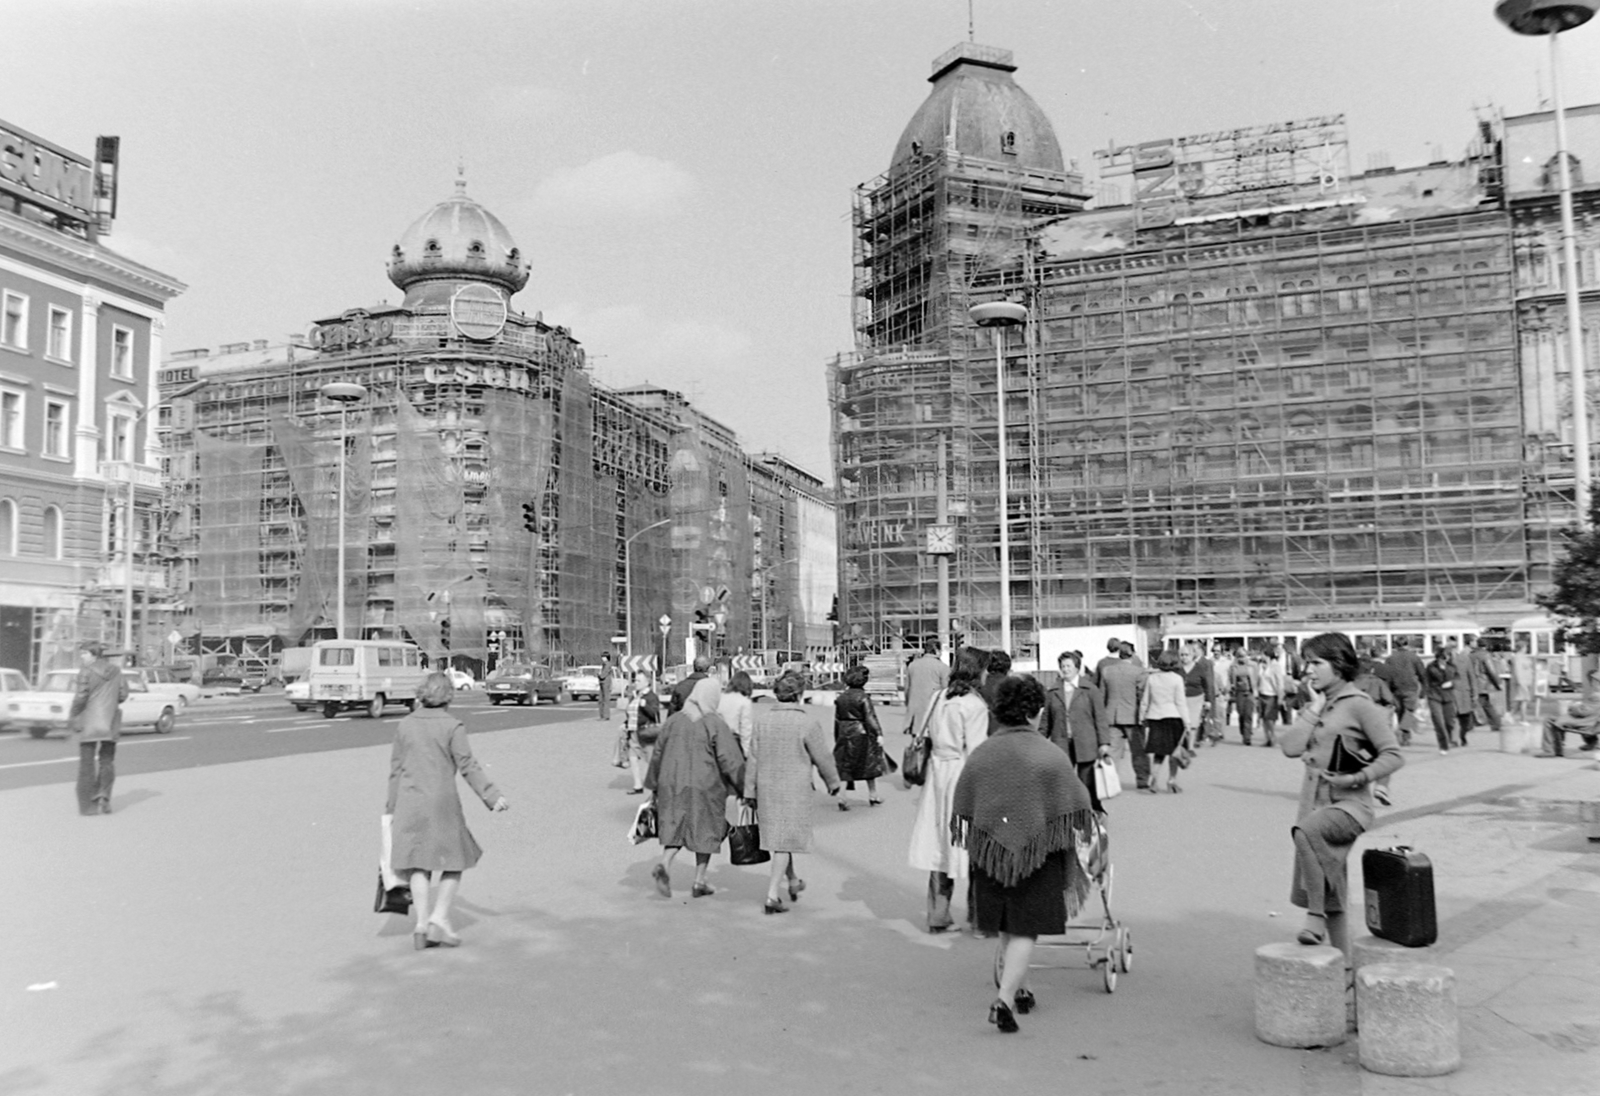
(1399, 894)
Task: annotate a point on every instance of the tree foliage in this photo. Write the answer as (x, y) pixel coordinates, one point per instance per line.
(1574, 600)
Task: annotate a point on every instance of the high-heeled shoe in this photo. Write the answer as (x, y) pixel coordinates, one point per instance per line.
(1026, 1002)
(441, 937)
(796, 885)
(700, 890)
(1001, 1016)
(774, 905)
(843, 806)
(420, 941)
(874, 802)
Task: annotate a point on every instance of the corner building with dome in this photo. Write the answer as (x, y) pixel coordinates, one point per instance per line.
(498, 503)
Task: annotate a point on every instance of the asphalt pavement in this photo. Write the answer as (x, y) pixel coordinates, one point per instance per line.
(214, 935)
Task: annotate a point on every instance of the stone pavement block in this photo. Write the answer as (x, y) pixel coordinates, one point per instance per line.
(1375, 949)
(1409, 1024)
(1300, 995)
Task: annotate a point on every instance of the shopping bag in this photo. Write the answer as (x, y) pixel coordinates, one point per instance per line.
(1107, 784)
(744, 838)
(394, 895)
(643, 827)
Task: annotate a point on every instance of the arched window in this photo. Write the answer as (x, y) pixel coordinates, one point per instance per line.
(8, 527)
(52, 532)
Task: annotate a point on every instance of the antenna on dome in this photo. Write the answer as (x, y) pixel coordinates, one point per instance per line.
(461, 175)
(971, 34)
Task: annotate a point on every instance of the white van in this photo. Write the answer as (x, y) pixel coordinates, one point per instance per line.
(364, 673)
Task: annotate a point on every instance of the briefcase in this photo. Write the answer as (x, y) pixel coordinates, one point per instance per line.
(1399, 893)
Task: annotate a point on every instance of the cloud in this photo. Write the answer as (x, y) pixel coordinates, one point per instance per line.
(624, 183)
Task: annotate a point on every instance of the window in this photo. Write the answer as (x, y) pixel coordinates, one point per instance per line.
(337, 656)
(14, 321)
(122, 353)
(52, 532)
(12, 404)
(8, 527)
(385, 656)
(121, 430)
(55, 428)
(58, 336)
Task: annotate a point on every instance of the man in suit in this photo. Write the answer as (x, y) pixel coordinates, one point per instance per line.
(96, 718)
(1075, 720)
(1121, 682)
(1466, 689)
(1113, 652)
(681, 691)
(1489, 697)
(926, 677)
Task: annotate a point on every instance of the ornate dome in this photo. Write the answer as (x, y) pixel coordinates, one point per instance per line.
(458, 241)
(976, 109)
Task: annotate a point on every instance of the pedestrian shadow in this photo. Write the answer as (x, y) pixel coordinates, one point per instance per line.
(121, 802)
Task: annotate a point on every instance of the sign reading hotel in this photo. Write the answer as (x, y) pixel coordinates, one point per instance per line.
(1250, 165)
(42, 174)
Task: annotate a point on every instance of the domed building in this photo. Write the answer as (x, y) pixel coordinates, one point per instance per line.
(498, 502)
(977, 163)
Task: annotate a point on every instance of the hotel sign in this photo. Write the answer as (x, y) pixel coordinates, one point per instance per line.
(43, 174)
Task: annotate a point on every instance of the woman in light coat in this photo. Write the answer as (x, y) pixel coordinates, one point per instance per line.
(958, 720)
(430, 832)
(736, 708)
(1162, 710)
(787, 744)
(697, 764)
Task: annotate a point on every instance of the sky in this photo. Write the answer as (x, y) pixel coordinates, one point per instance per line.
(680, 172)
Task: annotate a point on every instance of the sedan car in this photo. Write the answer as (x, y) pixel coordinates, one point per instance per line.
(584, 683)
(461, 679)
(46, 709)
(11, 683)
(298, 693)
(522, 683)
(164, 682)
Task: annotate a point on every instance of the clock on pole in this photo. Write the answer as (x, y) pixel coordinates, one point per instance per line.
(941, 540)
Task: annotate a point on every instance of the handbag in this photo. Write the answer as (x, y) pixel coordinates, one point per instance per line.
(914, 761)
(391, 899)
(1347, 760)
(1107, 784)
(744, 838)
(643, 827)
(1184, 754)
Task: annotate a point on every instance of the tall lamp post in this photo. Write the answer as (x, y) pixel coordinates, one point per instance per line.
(127, 518)
(1000, 315)
(627, 578)
(344, 393)
(1550, 18)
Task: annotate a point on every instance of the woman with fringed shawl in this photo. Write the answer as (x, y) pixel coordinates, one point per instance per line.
(1022, 814)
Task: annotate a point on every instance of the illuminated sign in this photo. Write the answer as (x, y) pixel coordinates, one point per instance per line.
(1170, 172)
(43, 174)
(354, 329)
(478, 312)
(489, 376)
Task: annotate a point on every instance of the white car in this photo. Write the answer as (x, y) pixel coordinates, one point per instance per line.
(11, 683)
(461, 679)
(298, 693)
(583, 683)
(166, 683)
(46, 709)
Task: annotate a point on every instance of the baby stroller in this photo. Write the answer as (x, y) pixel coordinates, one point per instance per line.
(1106, 942)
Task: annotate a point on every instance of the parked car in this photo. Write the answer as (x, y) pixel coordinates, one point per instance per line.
(164, 682)
(222, 681)
(46, 709)
(298, 693)
(254, 678)
(522, 683)
(11, 682)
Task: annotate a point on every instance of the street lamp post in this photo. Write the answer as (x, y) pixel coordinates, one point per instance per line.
(1000, 315)
(1550, 18)
(344, 393)
(127, 519)
(627, 578)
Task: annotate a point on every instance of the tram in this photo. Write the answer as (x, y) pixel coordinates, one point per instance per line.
(1423, 636)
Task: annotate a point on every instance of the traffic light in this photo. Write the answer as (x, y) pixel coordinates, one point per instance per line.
(530, 517)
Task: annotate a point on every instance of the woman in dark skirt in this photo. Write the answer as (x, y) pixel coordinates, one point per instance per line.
(857, 737)
(1021, 812)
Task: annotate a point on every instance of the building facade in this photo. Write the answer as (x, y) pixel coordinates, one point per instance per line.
(80, 331)
(495, 500)
(1251, 387)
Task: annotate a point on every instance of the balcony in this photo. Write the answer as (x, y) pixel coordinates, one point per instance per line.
(116, 471)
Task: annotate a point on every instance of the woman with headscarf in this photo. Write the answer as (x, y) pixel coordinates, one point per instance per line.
(957, 721)
(1021, 814)
(788, 743)
(1347, 745)
(696, 766)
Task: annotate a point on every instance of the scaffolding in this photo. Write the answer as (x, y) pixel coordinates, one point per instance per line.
(1299, 411)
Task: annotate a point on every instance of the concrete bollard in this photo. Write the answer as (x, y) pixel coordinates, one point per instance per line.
(1409, 1026)
(1375, 949)
(1300, 995)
